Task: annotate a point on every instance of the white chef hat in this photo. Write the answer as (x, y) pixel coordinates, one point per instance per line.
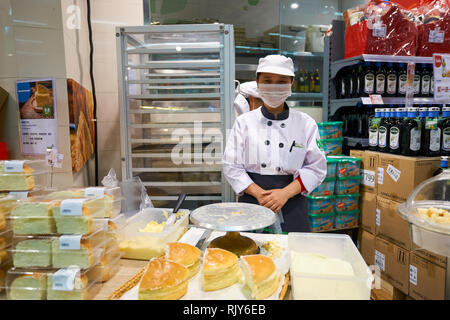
(249, 89)
(276, 63)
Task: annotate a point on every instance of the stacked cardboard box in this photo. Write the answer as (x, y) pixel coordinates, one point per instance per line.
(385, 238)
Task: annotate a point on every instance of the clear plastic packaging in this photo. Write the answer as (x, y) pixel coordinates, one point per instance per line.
(337, 253)
(330, 130)
(348, 166)
(321, 222)
(348, 219)
(23, 175)
(427, 210)
(41, 216)
(108, 266)
(320, 205)
(326, 188)
(58, 251)
(348, 185)
(41, 284)
(331, 167)
(332, 146)
(145, 237)
(345, 203)
(5, 238)
(7, 203)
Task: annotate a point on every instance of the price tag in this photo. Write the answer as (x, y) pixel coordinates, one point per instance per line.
(379, 30)
(64, 279)
(14, 166)
(70, 242)
(376, 99)
(378, 217)
(368, 178)
(380, 175)
(413, 275)
(393, 172)
(366, 100)
(19, 195)
(436, 36)
(94, 192)
(380, 260)
(72, 207)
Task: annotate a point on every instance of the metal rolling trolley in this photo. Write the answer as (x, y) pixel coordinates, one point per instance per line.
(176, 88)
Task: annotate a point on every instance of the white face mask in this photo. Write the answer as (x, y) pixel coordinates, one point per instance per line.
(274, 95)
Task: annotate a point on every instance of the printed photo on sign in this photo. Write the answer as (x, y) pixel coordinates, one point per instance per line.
(37, 109)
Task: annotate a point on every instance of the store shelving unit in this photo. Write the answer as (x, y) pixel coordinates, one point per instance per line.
(176, 85)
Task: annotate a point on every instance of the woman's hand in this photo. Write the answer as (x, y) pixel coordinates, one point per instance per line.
(274, 199)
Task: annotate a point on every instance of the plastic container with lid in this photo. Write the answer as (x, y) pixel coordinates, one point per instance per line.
(320, 205)
(427, 210)
(23, 175)
(326, 188)
(347, 185)
(330, 130)
(347, 219)
(6, 238)
(42, 284)
(348, 202)
(145, 236)
(331, 167)
(348, 166)
(321, 222)
(332, 146)
(327, 267)
(43, 216)
(58, 251)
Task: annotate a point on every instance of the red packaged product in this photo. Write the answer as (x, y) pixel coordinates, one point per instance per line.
(434, 29)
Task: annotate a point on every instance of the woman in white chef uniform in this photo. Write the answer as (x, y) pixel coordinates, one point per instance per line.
(271, 157)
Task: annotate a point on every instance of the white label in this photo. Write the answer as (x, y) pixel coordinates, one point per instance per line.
(381, 78)
(435, 139)
(393, 172)
(394, 138)
(94, 192)
(380, 175)
(373, 137)
(70, 242)
(382, 136)
(14, 166)
(391, 84)
(378, 217)
(368, 178)
(413, 275)
(19, 195)
(369, 83)
(414, 144)
(366, 100)
(72, 207)
(436, 36)
(446, 139)
(379, 30)
(380, 260)
(376, 99)
(416, 84)
(64, 279)
(432, 85)
(426, 85)
(402, 83)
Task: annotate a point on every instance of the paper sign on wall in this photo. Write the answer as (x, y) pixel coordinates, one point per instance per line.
(441, 69)
(37, 110)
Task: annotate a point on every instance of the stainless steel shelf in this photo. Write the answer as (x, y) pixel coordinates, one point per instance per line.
(173, 80)
(175, 96)
(213, 63)
(181, 47)
(168, 155)
(174, 125)
(199, 140)
(161, 110)
(181, 73)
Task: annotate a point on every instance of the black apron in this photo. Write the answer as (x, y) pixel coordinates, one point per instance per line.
(295, 211)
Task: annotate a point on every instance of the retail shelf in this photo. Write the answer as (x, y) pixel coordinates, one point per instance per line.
(183, 184)
(172, 80)
(163, 110)
(335, 104)
(175, 125)
(306, 95)
(210, 63)
(177, 169)
(337, 65)
(182, 87)
(175, 96)
(303, 54)
(353, 142)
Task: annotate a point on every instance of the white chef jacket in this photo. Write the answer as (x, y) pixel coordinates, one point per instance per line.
(259, 143)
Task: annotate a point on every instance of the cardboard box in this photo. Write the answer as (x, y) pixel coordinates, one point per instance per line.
(369, 169)
(368, 211)
(399, 175)
(393, 262)
(3, 97)
(426, 279)
(367, 246)
(430, 256)
(390, 225)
